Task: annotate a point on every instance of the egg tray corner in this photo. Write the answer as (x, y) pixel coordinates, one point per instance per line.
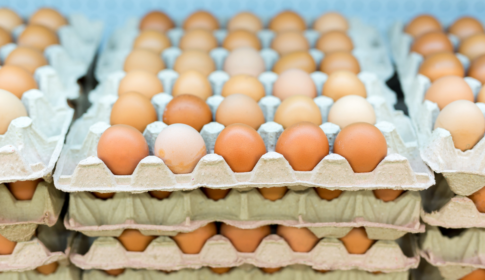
(63, 272)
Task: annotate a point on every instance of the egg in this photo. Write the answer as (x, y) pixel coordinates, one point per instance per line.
(328, 194)
(23, 190)
(244, 84)
(331, 21)
(477, 274)
(300, 240)
(287, 21)
(447, 89)
(465, 122)
(481, 95)
(362, 145)
(187, 109)
(140, 81)
(245, 21)
(28, 58)
(6, 246)
(180, 147)
(333, 41)
(342, 83)
(297, 108)
(289, 41)
(294, 82)
(16, 80)
(135, 241)
(240, 39)
(244, 61)
(194, 60)
(441, 64)
(270, 270)
(240, 108)
(160, 194)
(157, 21)
(477, 69)
(201, 19)
(192, 82)
(142, 59)
(103, 196)
(121, 148)
(192, 242)
(9, 19)
(152, 40)
(240, 146)
(114, 272)
(48, 269)
(215, 194)
(299, 60)
(432, 42)
(473, 46)
(422, 24)
(5, 37)
(356, 241)
(351, 109)
(273, 193)
(387, 195)
(465, 27)
(133, 109)
(245, 240)
(37, 36)
(49, 18)
(220, 270)
(10, 109)
(198, 39)
(339, 60)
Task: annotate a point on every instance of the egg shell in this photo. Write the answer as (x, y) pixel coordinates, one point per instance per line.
(331, 21)
(16, 80)
(201, 19)
(216, 194)
(10, 108)
(432, 42)
(477, 274)
(160, 194)
(187, 109)
(48, 268)
(287, 21)
(145, 60)
(194, 60)
(152, 40)
(192, 82)
(157, 21)
(245, 21)
(448, 89)
(6, 246)
(351, 109)
(244, 61)
(299, 60)
(198, 39)
(289, 41)
(273, 193)
(245, 240)
(140, 81)
(477, 69)
(23, 190)
(134, 241)
(103, 196)
(465, 27)
(294, 82)
(133, 109)
(441, 64)
(241, 39)
(270, 270)
(333, 41)
(339, 60)
(220, 270)
(481, 95)
(9, 19)
(114, 272)
(192, 242)
(342, 83)
(473, 46)
(244, 84)
(5, 37)
(387, 195)
(422, 24)
(328, 194)
(300, 240)
(37, 36)
(49, 18)
(28, 58)
(356, 241)
(297, 108)
(240, 108)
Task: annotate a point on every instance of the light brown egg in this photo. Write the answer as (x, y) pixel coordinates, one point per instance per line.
(448, 89)
(273, 193)
(244, 84)
(333, 41)
(140, 81)
(5, 37)
(240, 108)
(220, 270)
(28, 58)
(477, 69)
(362, 145)
(331, 21)
(193, 242)
(240, 39)
(481, 95)
(245, 240)
(478, 274)
(37, 36)
(216, 194)
(152, 40)
(157, 21)
(422, 24)
(387, 195)
(201, 19)
(464, 120)
(287, 21)
(328, 194)
(356, 241)
(244, 61)
(48, 268)
(142, 59)
(198, 39)
(342, 83)
(441, 64)
(6, 246)
(16, 80)
(245, 21)
(114, 272)
(300, 240)
(294, 82)
(339, 60)
(351, 109)
(134, 241)
(194, 60)
(10, 108)
(133, 109)
(181, 147)
(290, 41)
(473, 46)
(299, 60)
(187, 109)
(192, 82)
(297, 108)
(241, 147)
(121, 148)
(432, 42)
(9, 19)
(23, 190)
(49, 18)
(465, 27)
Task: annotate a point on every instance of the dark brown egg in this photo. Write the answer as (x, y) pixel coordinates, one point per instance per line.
(6, 246)
(432, 42)
(28, 58)
(156, 20)
(134, 241)
(422, 24)
(152, 40)
(387, 195)
(328, 194)
(478, 274)
(339, 60)
(133, 109)
(187, 109)
(356, 241)
(441, 64)
(333, 41)
(115, 272)
(201, 19)
(273, 193)
(48, 268)
(245, 240)
(300, 60)
(215, 194)
(23, 190)
(465, 27)
(37, 36)
(287, 21)
(193, 242)
(49, 18)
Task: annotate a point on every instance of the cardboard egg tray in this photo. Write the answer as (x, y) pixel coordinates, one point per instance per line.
(63, 272)
(426, 271)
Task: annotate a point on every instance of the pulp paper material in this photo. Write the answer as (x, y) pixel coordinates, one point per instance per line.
(425, 271)
(62, 273)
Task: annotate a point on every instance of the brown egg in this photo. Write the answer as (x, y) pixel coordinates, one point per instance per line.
(387, 195)
(140, 81)
(16, 80)
(201, 19)
(240, 39)
(270, 270)
(157, 21)
(351, 109)
(192, 82)
(333, 41)
(339, 60)
(5, 37)
(240, 146)
(48, 268)
(192, 242)
(23, 190)
(273, 193)
(244, 84)
(133, 109)
(240, 108)
(115, 272)
(478, 274)
(422, 24)
(103, 196)
(473, 46)
(287, 21)
(300, 240)
(10, 109)
(216, 194)
(134, 241)
(289, 41)
(441, 64)
(121, 148)
(142, 59)
(28, 58)
(362, 145)
(187, 109)
(6, 246)
(464, 120)
(465, 27)
(297, 108)
(244, 61)
(198, 39)
(194, 60)
(220, 270)
(356, 241)
(49, 18)
(477, 69)
(342, 83)
(152, 40)
(328, 194)
(160, 194)
(481, 95)
(448, 89)
(432, 42)
(294, 82)
(331, 21)
(245, 240)
(9, 19)
(37, 36)
(299, 60)
(245, 21)
(303, 145)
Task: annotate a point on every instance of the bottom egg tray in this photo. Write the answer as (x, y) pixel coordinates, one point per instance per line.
(63, 272)
(426, 271)
(187, 211)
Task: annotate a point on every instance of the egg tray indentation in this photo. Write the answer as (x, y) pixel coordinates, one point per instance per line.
(63, 272)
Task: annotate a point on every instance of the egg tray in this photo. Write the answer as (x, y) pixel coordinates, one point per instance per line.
(63, 272)
(426, 271)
